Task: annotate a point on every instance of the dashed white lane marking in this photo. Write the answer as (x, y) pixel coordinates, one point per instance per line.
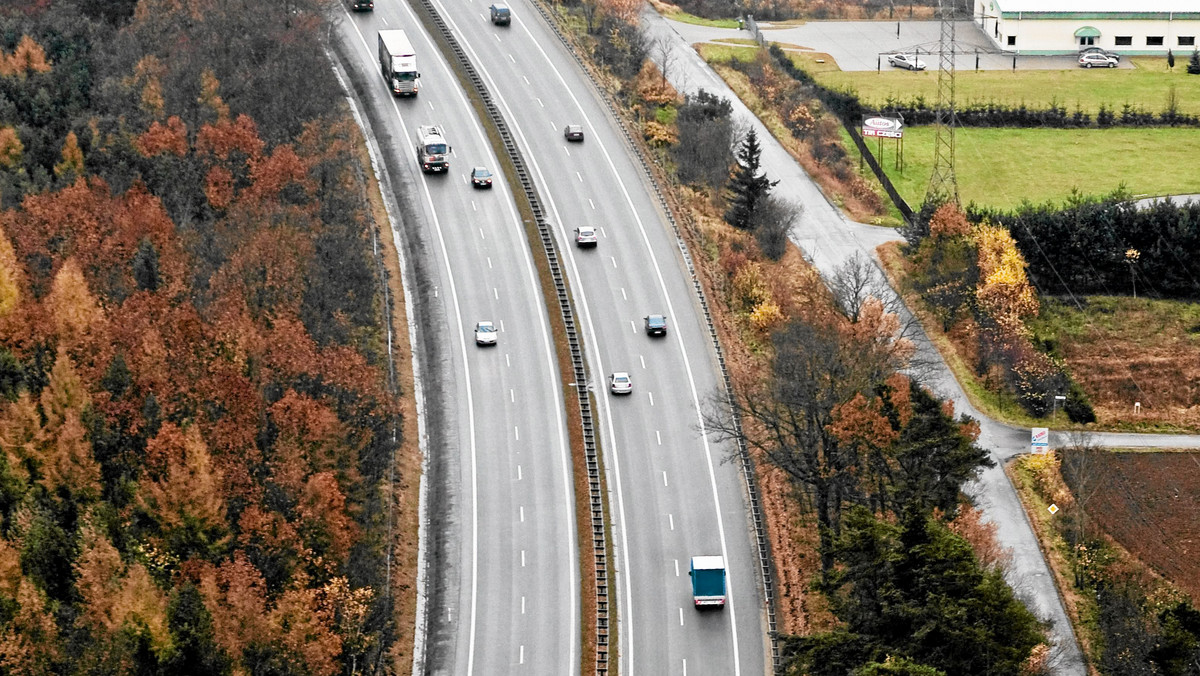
(685, 668)
(567, 151)
(671, 518)
(507, 362)
(632, 326)
(519, 477)
(623, 296)
(540, 102)
(651, 395)
(481, 234)
(517, 432)
(614, 260)
(512, 398)
(523, 647)
(473, 206)
(681, 616)
(522, 508)
(522, 558)
(489, 260)
(430, 103)
(510, 58)
(579, 176)
(643, 358)
(664, 476)
(502, 326)
(602, 230)
(522, 605)
(658, 435)
(496, 293)
(676, 567)
(593, 207)
(525, 79)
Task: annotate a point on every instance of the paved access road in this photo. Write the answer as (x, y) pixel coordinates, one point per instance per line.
(504, 573)
(829, 239)
(671, 497)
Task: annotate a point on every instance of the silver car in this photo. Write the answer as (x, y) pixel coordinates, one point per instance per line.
(907, 61)
(585, 236)
(1096, 60)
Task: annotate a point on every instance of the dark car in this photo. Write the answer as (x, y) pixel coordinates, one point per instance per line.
(1100, 50)
(656, 325)
(573, 132)
(360, 5)
(481, 177)
(501, 14)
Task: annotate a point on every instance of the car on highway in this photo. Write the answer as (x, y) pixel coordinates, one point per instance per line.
(481, 177)
(1096, 60)
(656, 325)
(573, 132)
(585, 236)
(620, 383)
(1100, 50)
(485, 333)
(501, 14)
(906, 61)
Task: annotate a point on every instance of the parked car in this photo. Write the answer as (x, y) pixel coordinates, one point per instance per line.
(501, 14)
(620, 383)
(481, 177)
(656, 325)
(1096, 60)
(907, 61)
(573, 132)
(1100, 50)
(485, 333)
(585, 236)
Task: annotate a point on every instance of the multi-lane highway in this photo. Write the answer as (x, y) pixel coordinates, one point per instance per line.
(512, 596)
(509, 573)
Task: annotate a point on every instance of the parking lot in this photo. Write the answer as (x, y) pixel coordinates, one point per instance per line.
(863, 45)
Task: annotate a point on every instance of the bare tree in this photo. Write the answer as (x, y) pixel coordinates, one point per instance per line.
(1085, 477)
(663, 52)
(772, 222)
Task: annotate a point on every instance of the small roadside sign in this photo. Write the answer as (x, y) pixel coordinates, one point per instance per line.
(1053, 509)
(1040, 439)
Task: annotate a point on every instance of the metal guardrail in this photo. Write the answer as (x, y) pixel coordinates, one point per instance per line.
(595, 492)
(762, 541)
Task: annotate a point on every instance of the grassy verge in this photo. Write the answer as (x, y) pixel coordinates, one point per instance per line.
(1147, 85)
(1081, 608)
(1048, 164)
(405, 494)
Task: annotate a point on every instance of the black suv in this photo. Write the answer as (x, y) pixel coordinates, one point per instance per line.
(656, 325)
(501, 14)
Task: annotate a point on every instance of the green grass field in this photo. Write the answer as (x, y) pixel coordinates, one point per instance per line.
(1146, 86)
(1003, 167)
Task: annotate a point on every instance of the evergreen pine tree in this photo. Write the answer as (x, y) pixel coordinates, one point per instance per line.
(1170, 59)
(747, 187)
(1194, 63)
(145, 266)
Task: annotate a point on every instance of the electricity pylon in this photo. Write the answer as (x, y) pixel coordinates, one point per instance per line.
(943, 184)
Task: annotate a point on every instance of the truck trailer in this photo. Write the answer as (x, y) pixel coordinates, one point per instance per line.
(708, 581)
(398, 63)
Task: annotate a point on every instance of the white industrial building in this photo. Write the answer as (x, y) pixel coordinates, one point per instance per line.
(1066, 26)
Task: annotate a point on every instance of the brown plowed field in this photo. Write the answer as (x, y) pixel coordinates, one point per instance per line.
(1150, 504)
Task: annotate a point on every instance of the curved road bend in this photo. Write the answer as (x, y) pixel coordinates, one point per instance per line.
(503, 569)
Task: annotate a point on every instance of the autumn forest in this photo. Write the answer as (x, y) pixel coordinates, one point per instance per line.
(195, 413)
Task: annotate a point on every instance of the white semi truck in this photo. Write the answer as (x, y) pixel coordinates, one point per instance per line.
(432, 150)
(398, 62)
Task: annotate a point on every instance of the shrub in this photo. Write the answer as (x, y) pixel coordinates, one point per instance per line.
(1193, 67)
(705, 148)
(1078, 406)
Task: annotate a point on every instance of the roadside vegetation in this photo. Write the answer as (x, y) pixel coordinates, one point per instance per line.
(1130, 592)
(196, 417)
(845, 443)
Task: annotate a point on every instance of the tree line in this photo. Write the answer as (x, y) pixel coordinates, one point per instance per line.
(193, 397)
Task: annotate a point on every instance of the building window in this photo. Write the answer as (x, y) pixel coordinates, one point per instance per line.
(1124, 40)
(1012, 40)
(1154, 41)
(1187, 40)
(1086, 41)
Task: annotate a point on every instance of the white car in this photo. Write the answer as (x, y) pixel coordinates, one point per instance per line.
(485, 333)
(908, 61)
(585, 235)
(620, 383)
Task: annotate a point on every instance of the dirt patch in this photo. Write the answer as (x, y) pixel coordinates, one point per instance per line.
(1133, 350)
(1150, 504)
